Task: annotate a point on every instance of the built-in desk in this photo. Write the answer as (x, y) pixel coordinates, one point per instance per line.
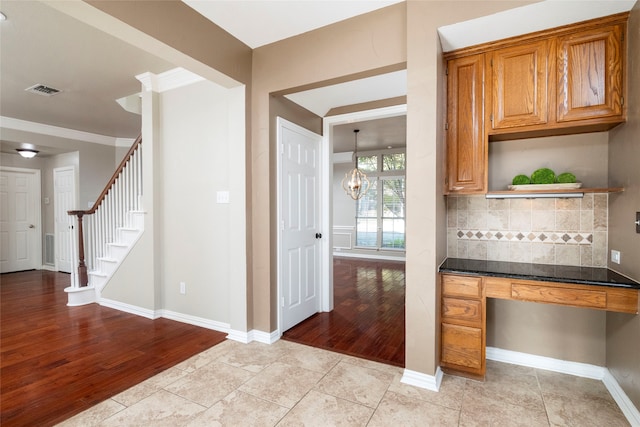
(466, 284)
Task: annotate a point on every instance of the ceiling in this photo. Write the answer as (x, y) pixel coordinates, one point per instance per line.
(376, 134)
(40, 45)
(260, 22)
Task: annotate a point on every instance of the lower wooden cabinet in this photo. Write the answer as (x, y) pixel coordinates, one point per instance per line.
(462, 348)
(463, 311)
(462, 325)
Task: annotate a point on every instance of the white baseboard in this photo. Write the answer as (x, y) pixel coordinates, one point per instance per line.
(195, 320)
(547, 363)
(240, 336)
(254, 335)
(418, 379)
(265, 337)
(48, 267)
(626, 405)
(367, 256)
(572, 368)
(128, 308)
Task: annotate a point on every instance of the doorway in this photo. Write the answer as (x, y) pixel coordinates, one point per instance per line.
(64, 189)
(20, 227)
(363, 295)
(328, 189)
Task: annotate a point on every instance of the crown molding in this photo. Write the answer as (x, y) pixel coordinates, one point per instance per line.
(172, 79)
(60, 132)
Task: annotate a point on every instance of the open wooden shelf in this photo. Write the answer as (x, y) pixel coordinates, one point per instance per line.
(576, 190)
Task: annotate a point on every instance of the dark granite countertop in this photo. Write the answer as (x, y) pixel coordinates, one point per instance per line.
(540, 272)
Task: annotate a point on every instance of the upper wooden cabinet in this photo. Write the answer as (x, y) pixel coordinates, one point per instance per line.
(466, 147)
(566, 80)
(521, 82)
(590, 74)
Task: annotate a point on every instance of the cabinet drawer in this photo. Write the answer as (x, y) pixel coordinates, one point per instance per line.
(462, 309)
(461, 286)
(557, 295)
(462, 346)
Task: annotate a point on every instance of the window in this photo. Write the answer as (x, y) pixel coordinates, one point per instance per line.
(380, 214)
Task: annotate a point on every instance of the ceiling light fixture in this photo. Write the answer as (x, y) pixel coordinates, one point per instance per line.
(27, 153)
(355, 182)
(3, 17)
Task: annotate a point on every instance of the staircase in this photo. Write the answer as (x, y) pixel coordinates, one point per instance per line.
(103, 235)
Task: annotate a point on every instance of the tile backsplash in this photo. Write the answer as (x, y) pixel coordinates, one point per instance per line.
(542, 231)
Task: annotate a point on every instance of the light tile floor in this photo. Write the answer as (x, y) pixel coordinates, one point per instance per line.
(288, 384)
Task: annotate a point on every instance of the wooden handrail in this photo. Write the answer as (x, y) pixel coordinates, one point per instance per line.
(115, 175)
(83, 277)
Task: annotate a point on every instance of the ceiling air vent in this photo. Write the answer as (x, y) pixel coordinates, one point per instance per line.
(41, 89)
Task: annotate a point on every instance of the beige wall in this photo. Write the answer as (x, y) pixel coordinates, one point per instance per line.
(623, 330)
(184, 35)
(564, 333)
(581, 155)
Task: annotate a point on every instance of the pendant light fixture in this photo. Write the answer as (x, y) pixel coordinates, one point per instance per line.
(355, 182)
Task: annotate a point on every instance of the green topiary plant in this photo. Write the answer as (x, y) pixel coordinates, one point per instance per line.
(543, 176)
(521, 180)
(566, 178)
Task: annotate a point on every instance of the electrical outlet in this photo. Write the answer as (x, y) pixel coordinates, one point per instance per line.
(615, 256)
(183, 288)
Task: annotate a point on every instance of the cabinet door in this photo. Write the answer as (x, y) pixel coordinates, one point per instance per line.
(590, 74)
(462, 348)
(466, 147)
(520, 77)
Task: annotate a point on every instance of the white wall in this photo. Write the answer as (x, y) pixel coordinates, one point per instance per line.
(197, 143)
(195, 228)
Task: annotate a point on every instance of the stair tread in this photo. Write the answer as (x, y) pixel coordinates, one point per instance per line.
(97, 273)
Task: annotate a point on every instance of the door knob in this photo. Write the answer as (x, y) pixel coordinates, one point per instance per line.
(32, 226)
(318, 235)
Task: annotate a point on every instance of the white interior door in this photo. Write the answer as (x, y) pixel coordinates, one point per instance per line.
(20, 236)
(64, 189)
(299, 217)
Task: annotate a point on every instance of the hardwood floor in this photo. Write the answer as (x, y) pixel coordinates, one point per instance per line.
(368, 316)
(56, 361)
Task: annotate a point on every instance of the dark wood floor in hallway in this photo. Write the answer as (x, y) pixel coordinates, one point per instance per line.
(368, 316)
(56, 361)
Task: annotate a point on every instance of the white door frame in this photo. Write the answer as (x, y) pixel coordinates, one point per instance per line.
(321, 209)
(326, 189)
(38, 211)
(75, 201)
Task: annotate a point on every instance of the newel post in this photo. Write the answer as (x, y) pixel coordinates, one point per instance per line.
(83, 279)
